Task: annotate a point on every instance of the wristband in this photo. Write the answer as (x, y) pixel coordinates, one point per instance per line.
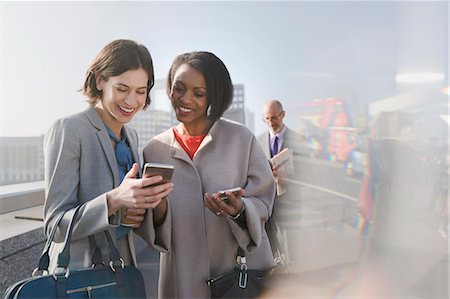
(234, 217)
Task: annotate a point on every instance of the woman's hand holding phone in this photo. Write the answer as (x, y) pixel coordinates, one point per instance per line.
(135, 196)
(226, 203)
(165, 172)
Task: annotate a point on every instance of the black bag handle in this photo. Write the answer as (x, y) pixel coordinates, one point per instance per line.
(64, 254)
(241, 252)
(114, 255)
(44, 259)
(96, 258)
(241, 261)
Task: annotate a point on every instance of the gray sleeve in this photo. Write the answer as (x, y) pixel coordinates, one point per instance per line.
(258, 200)
(158, 238)
(62, 151)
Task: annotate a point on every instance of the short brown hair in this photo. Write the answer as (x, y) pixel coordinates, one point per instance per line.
(114, 59)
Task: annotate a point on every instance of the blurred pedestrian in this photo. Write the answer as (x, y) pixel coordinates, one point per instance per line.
(277, 138)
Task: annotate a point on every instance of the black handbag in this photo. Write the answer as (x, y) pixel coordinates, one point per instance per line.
(241, 282)
(113, 280)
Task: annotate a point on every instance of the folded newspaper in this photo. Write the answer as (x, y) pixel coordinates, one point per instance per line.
(285, 161)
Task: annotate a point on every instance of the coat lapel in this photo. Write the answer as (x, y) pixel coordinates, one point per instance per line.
(209, 137)
(177, 152)
(105, 142)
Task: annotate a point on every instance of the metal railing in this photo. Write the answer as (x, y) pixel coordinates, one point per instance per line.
(21, 196)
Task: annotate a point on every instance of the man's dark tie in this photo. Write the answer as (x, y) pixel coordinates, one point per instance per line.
(274, 149)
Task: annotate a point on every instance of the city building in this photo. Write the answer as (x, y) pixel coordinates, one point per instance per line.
(150, 123)
(21, 160)
(250, 120)
(236, 111)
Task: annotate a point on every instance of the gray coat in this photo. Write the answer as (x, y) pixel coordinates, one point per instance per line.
(204, 245)
(80, 167)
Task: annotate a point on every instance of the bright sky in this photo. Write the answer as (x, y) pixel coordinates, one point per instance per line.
(292, 51)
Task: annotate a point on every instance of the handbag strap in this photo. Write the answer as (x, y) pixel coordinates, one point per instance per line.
(44, 259)
(241, 260)
(97, 258)
(64, 254)
(241, 252)
(114, 255)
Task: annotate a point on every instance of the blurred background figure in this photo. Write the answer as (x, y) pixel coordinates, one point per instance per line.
(441, 190)
(277, 138)
(392, 204)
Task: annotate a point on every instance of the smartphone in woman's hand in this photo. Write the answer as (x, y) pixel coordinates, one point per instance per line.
(153, 169)
(223, 196)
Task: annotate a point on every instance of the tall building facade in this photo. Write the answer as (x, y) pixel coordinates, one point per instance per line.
(250, 120)
(236, 111)
(21, 160)
(150, 123)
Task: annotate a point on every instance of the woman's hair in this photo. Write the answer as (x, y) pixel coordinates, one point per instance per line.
(114, 59)
(218, 82)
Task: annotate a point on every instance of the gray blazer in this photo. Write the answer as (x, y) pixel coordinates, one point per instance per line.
(80, 167)
(294, 141)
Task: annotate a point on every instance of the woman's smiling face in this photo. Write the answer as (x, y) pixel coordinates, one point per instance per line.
(189, 96)
(123, 96)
